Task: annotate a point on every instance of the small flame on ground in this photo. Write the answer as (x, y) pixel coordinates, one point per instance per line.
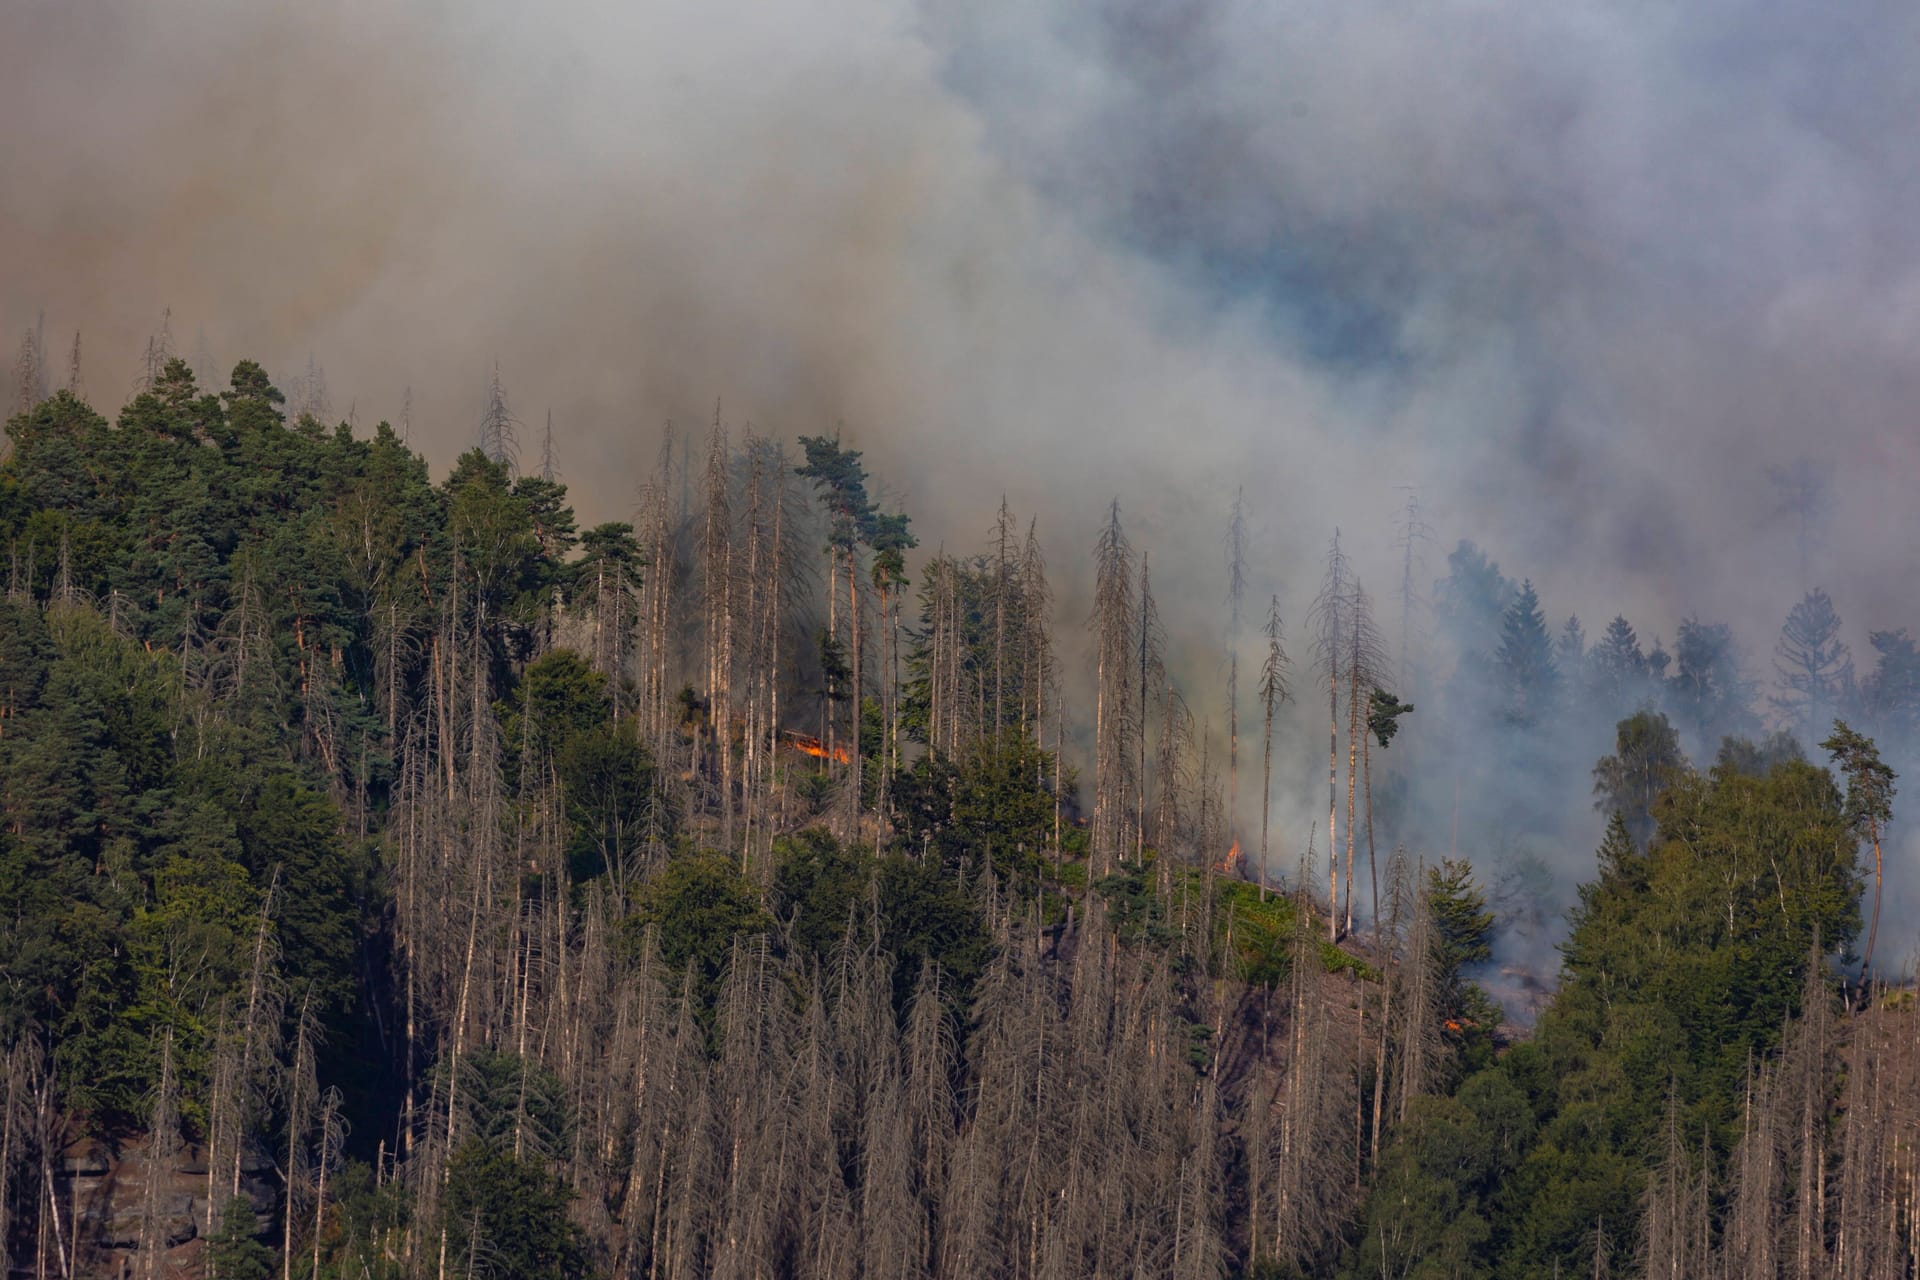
(807, 746)
(1232, 859)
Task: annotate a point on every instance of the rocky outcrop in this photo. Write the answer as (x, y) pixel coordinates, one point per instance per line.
(107, 1194)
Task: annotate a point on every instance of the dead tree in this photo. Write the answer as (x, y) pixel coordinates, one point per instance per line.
(1236, 592)
(1329, 622)
(1150, 641)
(1114, 726)
(159, 350)
(30, 369)
(716, 560)
(1364, 660)
(76, 385)
(1273, 691)
(499, 429)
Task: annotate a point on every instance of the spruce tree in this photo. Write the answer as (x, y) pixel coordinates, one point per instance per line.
(1528, 678)
(1814, 667)
(1616, 669)
(1890, 695)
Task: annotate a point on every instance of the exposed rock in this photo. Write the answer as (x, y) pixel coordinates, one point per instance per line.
(105, 1203)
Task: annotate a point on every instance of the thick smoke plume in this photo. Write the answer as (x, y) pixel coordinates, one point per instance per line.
(1584, 274)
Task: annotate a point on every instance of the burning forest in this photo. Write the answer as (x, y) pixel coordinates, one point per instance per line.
(956, 641)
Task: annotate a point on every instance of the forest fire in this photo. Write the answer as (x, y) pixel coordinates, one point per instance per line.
(811, 746)
(1232, 860)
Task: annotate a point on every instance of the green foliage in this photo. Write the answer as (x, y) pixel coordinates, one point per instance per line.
(212, 616)
(360, 1243)
(841, 482)
(1463, 928)
(134, 880)
(1682, 963)
(612, 801)
(1870, 789)
(1383, 715)
(508, 1216)
(513, 1103)
(814, 788)
(818, 890)
(1138, 910)
(825, 893)
(560, 695)
(836, 672)
(1646, 758)
(697, 904)
(1758, 759)
(1255, 937)
(1462, 924)
(1439, 1182)
(890, 540)
(235, 1252)
(1252, 940)
(929, 917)
(987, 805)
(1529, 679)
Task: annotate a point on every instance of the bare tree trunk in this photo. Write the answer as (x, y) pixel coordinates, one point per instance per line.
(1373, 867)
(1873, 929)
(48, 1123)
(300, 1088)
(1353, 761)
(163, 1137)
(853, 757)
(331, 1134)
(1002, 531)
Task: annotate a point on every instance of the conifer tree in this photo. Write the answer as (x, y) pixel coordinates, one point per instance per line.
(1815, 669)
(1528, 676)
(841, 483)
(1890, 694)
(1617, 670)
(1869, 804)
(1707, 689)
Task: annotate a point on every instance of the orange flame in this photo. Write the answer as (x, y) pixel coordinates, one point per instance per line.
(807, 746)
(1232, 859)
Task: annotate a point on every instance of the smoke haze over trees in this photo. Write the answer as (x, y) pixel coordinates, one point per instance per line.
(797, 615)
(1622, 299)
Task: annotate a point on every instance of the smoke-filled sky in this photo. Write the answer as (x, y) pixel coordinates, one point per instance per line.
(1582, 272)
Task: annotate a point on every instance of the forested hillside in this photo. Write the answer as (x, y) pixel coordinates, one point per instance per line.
(398, 879)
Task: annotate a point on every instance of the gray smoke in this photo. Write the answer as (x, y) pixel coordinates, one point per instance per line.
(1582, 273)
